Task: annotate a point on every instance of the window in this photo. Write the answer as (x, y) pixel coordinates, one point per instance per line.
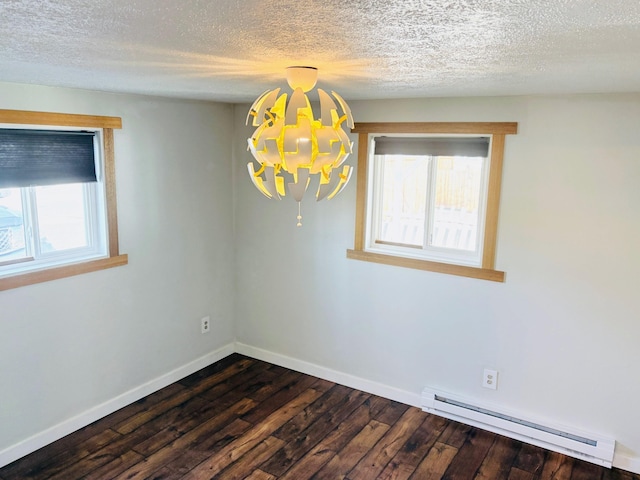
(57, 196)
(428, 196)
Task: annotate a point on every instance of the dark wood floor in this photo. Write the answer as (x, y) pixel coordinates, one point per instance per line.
(244, 418)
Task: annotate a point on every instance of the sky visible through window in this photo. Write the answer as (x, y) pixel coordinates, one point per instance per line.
(60, 211)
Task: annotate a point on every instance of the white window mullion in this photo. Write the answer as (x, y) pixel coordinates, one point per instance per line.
(29, 219)
(430, 202)
(33, 222)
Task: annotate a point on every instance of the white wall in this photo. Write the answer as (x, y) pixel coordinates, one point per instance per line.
(562, 330)
(69, 345)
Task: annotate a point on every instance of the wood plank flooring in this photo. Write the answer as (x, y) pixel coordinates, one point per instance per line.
(242, 418)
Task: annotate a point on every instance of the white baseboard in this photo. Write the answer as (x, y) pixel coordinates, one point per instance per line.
(402, 396)
(62, 429)
(626, 462)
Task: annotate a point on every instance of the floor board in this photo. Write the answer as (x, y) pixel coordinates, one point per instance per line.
(242, 418)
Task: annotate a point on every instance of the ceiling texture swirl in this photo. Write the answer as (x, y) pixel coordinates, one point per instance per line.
(233, 50)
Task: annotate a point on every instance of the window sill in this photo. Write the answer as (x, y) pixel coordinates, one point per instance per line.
(460, 270)
(55, 273)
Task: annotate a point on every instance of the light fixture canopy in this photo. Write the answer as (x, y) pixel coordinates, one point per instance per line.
(290, 140)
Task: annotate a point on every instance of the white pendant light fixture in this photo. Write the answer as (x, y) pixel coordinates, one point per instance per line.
(289, 141)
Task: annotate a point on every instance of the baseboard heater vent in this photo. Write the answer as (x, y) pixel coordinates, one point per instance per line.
(578, 444)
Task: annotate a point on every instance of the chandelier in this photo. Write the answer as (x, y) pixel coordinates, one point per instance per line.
(292, 147)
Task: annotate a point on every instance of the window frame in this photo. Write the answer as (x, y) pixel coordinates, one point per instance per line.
(497, 131)
(94, 209)
(114, 258)
(423, 251)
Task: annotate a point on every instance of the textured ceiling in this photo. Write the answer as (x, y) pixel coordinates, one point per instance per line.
(233, 50)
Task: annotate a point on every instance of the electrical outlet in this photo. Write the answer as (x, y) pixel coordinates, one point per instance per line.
(490, 379)
(205, 324)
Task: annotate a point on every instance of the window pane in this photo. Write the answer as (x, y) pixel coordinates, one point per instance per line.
(61, 217)
(404, 193)
(12, 237)
(457, 202)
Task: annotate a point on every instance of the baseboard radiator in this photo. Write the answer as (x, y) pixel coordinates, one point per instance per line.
(582, 445)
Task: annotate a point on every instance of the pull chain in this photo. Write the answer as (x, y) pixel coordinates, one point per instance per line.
(299, 224)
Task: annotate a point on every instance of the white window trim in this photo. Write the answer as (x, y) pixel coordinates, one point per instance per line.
(95, 219)
(112, 257)
(362, 250)
(425, 251)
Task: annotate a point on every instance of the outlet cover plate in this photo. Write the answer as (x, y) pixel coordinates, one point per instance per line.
(490, 379)
(205, 324)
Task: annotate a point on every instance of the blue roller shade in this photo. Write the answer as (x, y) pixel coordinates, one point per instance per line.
(45, 157)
